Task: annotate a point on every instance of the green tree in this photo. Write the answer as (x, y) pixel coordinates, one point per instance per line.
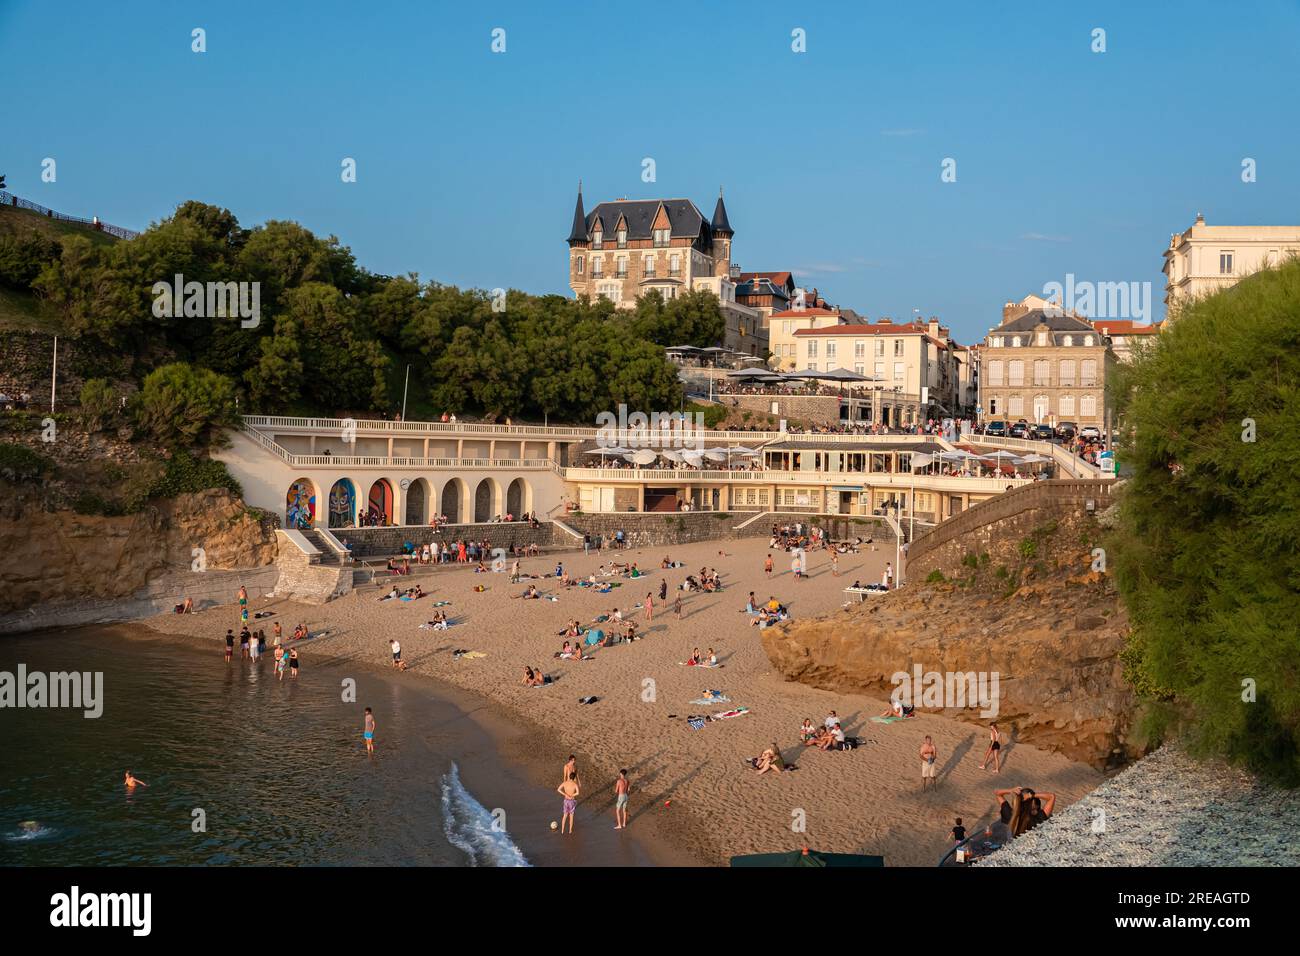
(98, 404)
(183, 407)
(1206, 557)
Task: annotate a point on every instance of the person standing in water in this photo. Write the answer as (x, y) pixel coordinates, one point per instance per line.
(369, 731)
(230, 644)
(569, 790)
(621, 788)
(132, 782)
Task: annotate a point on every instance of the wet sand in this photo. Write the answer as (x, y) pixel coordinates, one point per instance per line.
(693, 800)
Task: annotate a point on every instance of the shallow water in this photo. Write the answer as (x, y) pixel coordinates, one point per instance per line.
(278, 769)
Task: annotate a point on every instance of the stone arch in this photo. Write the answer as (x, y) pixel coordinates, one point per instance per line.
(343, 504)
(453, 500)
(418, 502)
(300, 504)
(519, 497)
(380, 501)
(486, 500)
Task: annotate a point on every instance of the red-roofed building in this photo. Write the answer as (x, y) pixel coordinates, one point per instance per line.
(782, 327)
(914, 362)
(1124, 333)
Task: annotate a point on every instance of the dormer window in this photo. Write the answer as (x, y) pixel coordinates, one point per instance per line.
(661, 238)
(622, 238)
(1069, 340)
(1042, 338)
(596, 238)
(1087, 340)
(1015, 342)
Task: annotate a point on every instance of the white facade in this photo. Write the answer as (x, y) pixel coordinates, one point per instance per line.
(1205, 259)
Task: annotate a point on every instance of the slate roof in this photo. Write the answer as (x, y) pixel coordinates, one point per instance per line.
(684, 218)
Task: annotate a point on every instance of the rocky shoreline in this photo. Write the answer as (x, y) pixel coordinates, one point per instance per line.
(1168, 809)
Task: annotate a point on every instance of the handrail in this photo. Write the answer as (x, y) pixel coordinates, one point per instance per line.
(9, 199)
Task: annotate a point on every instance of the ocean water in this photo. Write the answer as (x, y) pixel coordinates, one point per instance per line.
(276, 772)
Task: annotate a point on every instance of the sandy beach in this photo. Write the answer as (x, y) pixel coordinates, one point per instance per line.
(692, 795)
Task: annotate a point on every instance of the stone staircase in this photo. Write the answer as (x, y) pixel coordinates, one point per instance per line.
(328, 556)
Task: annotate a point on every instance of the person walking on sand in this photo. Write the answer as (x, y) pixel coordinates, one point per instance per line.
(369, 731)
(649, 607)
(887, 579)
(994, 751)
(767, 566)
(621, 788)
(677, 606)
(929, 758)
(835, 564)
(569, 790)
(276, 633)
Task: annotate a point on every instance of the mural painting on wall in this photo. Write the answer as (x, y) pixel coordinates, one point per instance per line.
(343, 499)
(300, 505)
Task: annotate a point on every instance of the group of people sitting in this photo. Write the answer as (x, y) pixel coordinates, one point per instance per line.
(411, 594)
(696, 660)
(439, 621)
(765, 615)
(829, 736)
(707, 581)
(533, 677)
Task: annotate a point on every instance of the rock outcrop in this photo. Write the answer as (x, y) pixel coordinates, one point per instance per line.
(52, 557)
(1050, 628)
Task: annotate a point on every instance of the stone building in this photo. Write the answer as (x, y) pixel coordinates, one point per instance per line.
(626, 248)
(1046, 367)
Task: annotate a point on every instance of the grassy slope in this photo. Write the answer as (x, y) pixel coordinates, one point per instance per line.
(22, 310)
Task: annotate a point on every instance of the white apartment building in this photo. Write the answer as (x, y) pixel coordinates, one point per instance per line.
(1205, 259)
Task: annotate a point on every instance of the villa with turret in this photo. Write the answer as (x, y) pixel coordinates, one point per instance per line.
(626, 248)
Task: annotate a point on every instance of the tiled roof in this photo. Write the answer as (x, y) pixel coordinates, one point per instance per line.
(684, 218)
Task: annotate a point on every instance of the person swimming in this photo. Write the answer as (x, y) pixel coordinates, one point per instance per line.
(132, 781)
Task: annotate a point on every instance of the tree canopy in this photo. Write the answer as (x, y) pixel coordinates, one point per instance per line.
(333, 337)
(1206, 557)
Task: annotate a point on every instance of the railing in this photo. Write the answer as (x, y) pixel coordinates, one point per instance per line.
(9, 199)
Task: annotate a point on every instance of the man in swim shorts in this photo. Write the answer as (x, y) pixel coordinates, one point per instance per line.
(929, 762)
(621, 788)
(369, 731)
(569, 790)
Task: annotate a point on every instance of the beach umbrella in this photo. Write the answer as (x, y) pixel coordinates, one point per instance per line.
(922, 460)
(716, 454)
(807, 857)
(999, 456)
(643, 457)
(693, 457)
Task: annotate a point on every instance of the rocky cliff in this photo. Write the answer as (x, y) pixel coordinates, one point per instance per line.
(1047, 624)
(52, 557)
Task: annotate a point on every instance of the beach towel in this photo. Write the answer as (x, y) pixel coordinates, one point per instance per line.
(696, 723)
(738, 712)
(689, 664)
(471, 655)
(711, 700)
(886, 720)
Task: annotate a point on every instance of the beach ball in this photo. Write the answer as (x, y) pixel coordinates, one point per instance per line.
(554, 825)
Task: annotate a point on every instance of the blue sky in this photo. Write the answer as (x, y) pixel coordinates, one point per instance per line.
(1068, 161)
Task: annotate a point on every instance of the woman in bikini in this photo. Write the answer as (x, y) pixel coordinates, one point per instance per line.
(995, 749)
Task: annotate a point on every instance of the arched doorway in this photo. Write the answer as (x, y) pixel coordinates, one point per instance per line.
(451, 498)
(343, 504)
(484, 500)
(300, 504)
(417, 496)
(380, 503)
(518, 498)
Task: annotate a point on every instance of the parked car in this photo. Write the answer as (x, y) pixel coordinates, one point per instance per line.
(996, 428)
(1090, 433)
(1020, 430)
(1042, 432)
(1067, 430)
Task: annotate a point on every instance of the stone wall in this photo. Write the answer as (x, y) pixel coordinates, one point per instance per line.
(382, 542)
(300, 579)
(999, 525)
(814, 409)
(25, 365)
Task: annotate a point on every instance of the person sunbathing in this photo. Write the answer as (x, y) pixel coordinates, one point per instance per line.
(531, 593)
(665, 563)
(898, 709)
